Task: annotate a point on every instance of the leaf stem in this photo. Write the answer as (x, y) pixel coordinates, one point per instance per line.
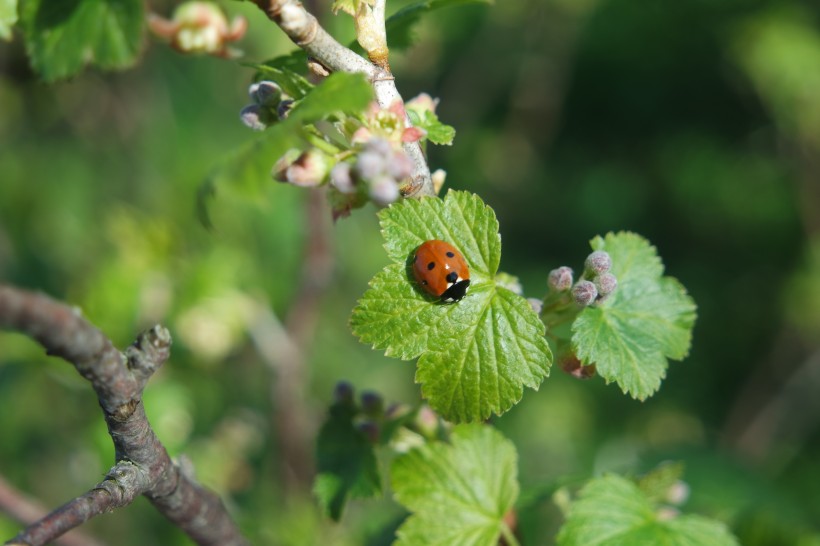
(508, 535)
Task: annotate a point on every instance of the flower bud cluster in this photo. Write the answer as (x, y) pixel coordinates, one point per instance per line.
(269, 105)
(200, 28)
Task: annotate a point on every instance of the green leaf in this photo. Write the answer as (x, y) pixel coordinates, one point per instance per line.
(399, 26)
(346, 462)
(612, 511)
(339, 92)
(647, 320)
(62, 37)
(437, 132)
(459, 493)
(657, 483)
(476, 355)
(8, 17)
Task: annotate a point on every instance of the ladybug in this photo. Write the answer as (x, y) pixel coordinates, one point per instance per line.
(441, 270)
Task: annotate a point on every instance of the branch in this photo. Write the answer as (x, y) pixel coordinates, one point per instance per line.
(143, 467)
(306, 32)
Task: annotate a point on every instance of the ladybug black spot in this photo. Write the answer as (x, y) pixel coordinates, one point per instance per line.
(452, 276)
(450, 254)
(431, 265)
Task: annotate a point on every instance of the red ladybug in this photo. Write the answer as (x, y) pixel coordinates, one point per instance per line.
(440, 269)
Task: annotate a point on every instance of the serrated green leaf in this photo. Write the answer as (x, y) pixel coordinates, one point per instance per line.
(612, 511)
(8, 17)
(62, 37)
(459, 493)
(437, 132)
(400, 25)
(339, 92)
(476, 355)
(647, 320)
(346, 463)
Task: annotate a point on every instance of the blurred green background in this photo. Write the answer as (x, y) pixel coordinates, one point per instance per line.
(695, 124)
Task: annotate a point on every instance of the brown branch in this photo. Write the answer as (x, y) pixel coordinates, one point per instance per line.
(26, 510)
(143, 465)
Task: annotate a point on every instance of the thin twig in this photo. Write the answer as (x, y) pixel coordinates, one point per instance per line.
(26, 510)
(143, 465)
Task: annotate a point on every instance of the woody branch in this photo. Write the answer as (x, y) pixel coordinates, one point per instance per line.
(143, 465)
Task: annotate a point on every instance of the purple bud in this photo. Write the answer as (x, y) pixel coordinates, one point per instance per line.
(598, 262)
(343, 393)
(283, 108)
(384, 190)
(584, 293)
(560, 279)
(265, 93)
(372, 403)
(400, 166)
(341, 178)
(370, 430)
(252, 116)
(379, 146)
(606, 283)
(370, 165)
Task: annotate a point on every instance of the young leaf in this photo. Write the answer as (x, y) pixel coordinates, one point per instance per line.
(283, 71)
(476, 355)
(346, 462)
(459, 493)
(437, 132)
(61, 37)
(8, 16)
(648, 319)
(339, 92)
(399, 26)
(613, 511)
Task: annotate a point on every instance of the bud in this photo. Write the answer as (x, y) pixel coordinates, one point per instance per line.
(341, 178)
(254, 116)
(536, 304)
(370, 164)
(606, 283)
(560, 279)
(284, 108)
(343, 393)
(400, 166)
(199, 27)
(370, 430)
(317, 68)
(372, 404)
(438, 176)
(678, 493)
(426, 422)
(384, 190)
(574, 367)
(309, 169)
(422, 103)
(598, 262)
(265, 93)
(279, 170)
(584, 293)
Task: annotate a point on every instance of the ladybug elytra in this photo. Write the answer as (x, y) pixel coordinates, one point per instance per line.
(441, 270)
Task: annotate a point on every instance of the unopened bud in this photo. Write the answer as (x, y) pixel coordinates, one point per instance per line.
(317, 68)
(341, 178)
(253, 116)
(284, 108)
(598, 262)
(584, 293)
(265, 93)
(678, 493)
(426, 422)
(606, 283)
(400, 166)
(438, 176)
(384, 190)
(372, 404)
(343, 393)
(574, 367)
(422, 103)
(370, 164)
(309, 169)
(370, 429)
(279, 170)
(560, 279)
(536, 304)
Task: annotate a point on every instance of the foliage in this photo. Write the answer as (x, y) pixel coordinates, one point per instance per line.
(475, 355)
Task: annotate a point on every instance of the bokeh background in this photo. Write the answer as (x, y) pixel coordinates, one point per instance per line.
(695, 124)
